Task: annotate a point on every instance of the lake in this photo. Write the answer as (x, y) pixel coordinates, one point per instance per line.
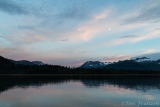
(84, 91)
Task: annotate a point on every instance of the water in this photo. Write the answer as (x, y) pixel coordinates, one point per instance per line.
(48, 91)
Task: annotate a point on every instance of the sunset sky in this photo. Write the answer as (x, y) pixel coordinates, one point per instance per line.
(71, 32)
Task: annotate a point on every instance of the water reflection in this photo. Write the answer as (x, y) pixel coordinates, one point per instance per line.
(52, 91)
(142, 83)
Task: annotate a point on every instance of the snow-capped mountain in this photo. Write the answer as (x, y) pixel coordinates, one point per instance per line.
(143, 59)
(37, 63)
(25, 62)
(138, 63)
(146, 60)
(94, 64)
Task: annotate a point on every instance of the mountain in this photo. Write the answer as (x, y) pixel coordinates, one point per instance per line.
(132, 64)
(8, 65)
(138, 63)
(37, 63)
(5, 64)
(25, 62)
(94, 64)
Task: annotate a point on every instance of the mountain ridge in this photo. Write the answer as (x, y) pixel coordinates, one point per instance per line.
(138, 63)
(26, 62)
(8, 66)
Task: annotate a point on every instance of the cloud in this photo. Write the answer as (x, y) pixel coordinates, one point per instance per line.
(17, 53)
(102, 15)
(150, 54)
(129, 39)
(12, 8)
(115, 58)
(150, 35)
(149, 13)
(99, 24)
(24, 39)
(64, 40)
(75, 11)
(157, 29)
(83, 51)
(3, 37)
(95, 29)
(23, 8)
(34, 38)
(71, 13)
(129, 36)
(148, 51)
(92, 27)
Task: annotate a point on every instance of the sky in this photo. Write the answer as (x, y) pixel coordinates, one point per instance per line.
(71, 32)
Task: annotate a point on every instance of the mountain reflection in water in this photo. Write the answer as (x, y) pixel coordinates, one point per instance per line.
(78, 91)
(141, 83)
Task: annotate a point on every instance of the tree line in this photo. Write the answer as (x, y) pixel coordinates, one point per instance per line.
(56, 69)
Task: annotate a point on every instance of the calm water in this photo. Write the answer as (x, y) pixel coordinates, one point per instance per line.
(16, 91)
